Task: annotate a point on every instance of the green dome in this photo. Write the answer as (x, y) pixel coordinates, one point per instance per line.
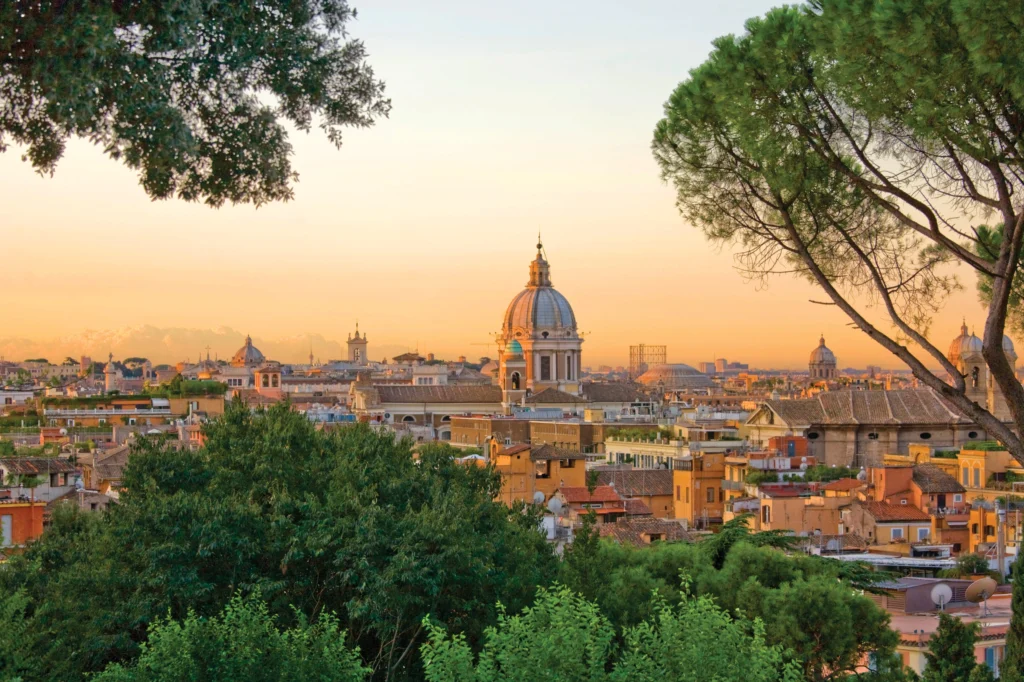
(515, 348)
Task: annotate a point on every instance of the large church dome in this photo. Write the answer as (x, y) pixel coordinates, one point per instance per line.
(822, 354)
(539, 310)
(248, 355)
(963, 344)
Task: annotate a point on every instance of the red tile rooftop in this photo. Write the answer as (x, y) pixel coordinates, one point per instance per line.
(602, 493)
(844, 484)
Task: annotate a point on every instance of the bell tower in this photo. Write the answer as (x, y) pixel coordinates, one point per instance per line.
(512, 376)
(357, 348)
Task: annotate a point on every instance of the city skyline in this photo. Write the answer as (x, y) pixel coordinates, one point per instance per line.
(439, 264)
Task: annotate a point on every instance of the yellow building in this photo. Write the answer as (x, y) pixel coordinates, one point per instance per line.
(734, 477)
(526, 470)
(697, 481)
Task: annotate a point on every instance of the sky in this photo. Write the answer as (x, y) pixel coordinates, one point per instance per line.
(507, 120)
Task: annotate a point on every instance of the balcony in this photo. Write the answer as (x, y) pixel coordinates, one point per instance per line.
(733, 485)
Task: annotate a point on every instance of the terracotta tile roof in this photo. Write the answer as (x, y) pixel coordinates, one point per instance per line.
(931, 479)
(29, 466)
(551, 396)
(439, 394)
(844, 484)
(642, 482)
(637, 531)
(884, 512)
(513, 449)
(110, 465)
(637, 508)
(903, 407)
(614, 392)
(546, 451)
(580, 495)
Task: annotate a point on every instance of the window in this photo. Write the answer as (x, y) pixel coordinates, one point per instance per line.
(958, 498)
(545, 368)
(6, 530)
(967, 476)
(926, 436)
(131, 421)
(678, 493)
(687, 494)
(896, 534)
(974, 528)
(990, 530)
(92, 506)
(54, 480)
(977, 477)
(265, 381)
(872, 436)
(972, 434)
(923, 533)
(813, 435)
(903, 501)
(711, 494)
(408, 418)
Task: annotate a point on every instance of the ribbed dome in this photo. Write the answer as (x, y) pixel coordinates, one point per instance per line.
(1008, 346)
(676, 377)
(966, 343)
(822, 355)
(248, 355)
(539, 309)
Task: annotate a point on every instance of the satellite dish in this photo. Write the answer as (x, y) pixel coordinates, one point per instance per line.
(942, 594)
(538, 497)
(980, 590)
(554, 505)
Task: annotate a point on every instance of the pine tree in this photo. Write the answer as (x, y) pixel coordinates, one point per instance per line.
(1013, 663)
(951, 651)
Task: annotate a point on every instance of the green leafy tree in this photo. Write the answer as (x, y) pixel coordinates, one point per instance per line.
(565, 638)
(562, 636)
(345, 522)
(14, 656)
(859, 145)
(243, 644)
(950, 656)
(1013, 656)
(193, 95)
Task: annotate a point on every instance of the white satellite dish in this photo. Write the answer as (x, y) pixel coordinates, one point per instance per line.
(555, 505)
(538, 497)
(942, 594)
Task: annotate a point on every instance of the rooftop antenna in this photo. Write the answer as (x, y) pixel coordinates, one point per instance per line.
(979, 591)
(941, 595)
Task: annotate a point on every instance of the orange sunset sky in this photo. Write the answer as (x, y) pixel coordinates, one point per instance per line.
(505, 121)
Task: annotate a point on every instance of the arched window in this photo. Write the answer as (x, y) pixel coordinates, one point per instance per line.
(266, 381)
(974, 377)
(408, 418)
(977, 477)
(273, 380)
(515, 381)
(446, 418)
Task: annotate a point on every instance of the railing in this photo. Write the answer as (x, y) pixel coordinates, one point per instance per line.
(92, 412)
(733, 485)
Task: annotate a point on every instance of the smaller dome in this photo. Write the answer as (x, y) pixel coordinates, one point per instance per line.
(248, 355)
(965, 343)
(1008, 345)
(515, 348)
(678, 377)
(822, 355)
